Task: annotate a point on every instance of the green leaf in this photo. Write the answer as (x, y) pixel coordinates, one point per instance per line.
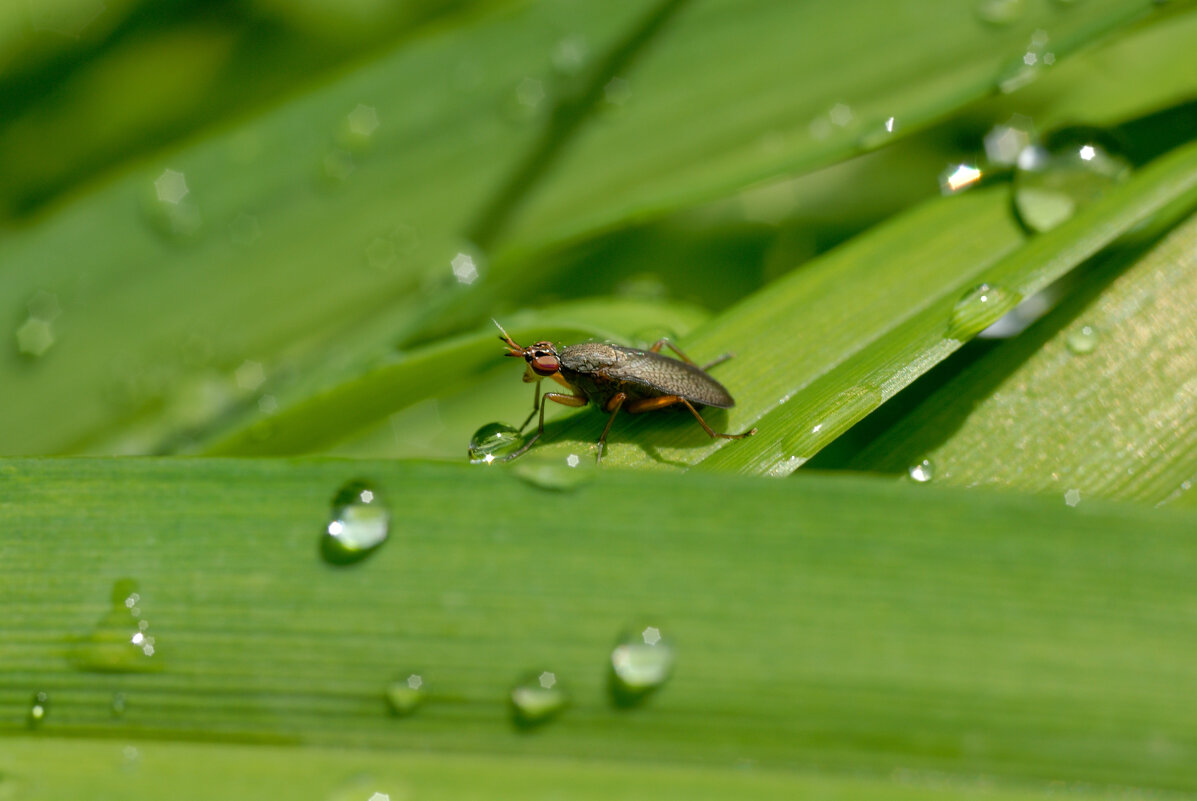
(994, 635)
(1096, 400)
(823, 347)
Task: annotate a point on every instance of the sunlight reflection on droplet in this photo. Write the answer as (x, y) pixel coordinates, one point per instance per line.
(959, 177)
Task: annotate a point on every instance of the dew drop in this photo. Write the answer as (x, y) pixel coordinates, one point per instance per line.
(979, 308)
(39, 708)
(641, 663)
(958, 177)
(121, 641)
(35, 337)
(492, 442)
(1083, 340)
(170, 207)
(358, 525)
(549, 471)
(1001, 13)
(1070, 170)
(537, 699)
(406, 694)
(922, 472)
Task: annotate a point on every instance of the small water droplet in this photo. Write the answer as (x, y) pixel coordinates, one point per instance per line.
(171, 208)
(1006, 141)
(537, 699)
(118, 705)
(358, 525)
(958, 177)
(1083, 340)
(121, 641)
(492, 442)
(554, 471)
(878, 134)
(641, 663)
(35, 337)
(979, 308)
(39, 707)
(1070, 170)
(570, 55)
(406, 694)
(922, 472)
(1072, 497)
(360, 126)
(1001, 13)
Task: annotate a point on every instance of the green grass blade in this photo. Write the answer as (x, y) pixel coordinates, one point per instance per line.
(305, 248)
(1096, 400)
(1000, 635)
(823, 347)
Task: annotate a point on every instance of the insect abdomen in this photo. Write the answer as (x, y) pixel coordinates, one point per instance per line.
(661, 374)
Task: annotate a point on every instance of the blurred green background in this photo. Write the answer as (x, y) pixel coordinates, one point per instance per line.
(950, 243)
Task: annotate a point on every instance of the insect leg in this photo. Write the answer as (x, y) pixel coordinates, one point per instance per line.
(566, 400)
(709, 430)
(656, 348)
(535, 408)
(613, 407)
(661, 401)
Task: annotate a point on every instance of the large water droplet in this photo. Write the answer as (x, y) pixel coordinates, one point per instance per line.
(358, 525)
(979, 308)
(121, 641)
(922, 472)
(554, 471)
(640, 664)
(404, 695)
(1070, 170)
(492, 442)
(1083, 340)
(39, 707)
(537, 699)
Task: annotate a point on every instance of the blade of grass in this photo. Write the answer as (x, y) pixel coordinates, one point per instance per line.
(826, 345)
(131, 770)
(1096, 400)
(986, 634)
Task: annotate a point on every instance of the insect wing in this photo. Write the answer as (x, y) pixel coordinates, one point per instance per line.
(670, 377)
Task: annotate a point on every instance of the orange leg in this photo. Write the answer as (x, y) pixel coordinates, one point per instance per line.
(656, 348)
(660, 402)
(564, 400)
(613, 407)
(529, 377)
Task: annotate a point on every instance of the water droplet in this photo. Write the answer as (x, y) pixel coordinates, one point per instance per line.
(360, 125)
(39, 707)
(537, 699)
(1072, 497)
(464, 267)
(492, 442)
(358, 525)
(554, 471)
(570, 54)
(959, 177)
(833, 417)
(878, 134)
(640, 663)
(404, 695)
(922, 472)
(1083, 340)
(118, 706)
(171, 208)
(1001, 13)
(1006, 141)
(35, 337)
(979, 308)
(121, 641)
(1070, 170)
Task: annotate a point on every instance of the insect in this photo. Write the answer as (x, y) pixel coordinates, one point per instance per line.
(613, 378)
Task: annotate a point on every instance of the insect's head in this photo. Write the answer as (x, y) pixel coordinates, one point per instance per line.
(541, 357)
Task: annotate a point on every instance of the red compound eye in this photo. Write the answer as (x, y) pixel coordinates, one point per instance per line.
(545, 364)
